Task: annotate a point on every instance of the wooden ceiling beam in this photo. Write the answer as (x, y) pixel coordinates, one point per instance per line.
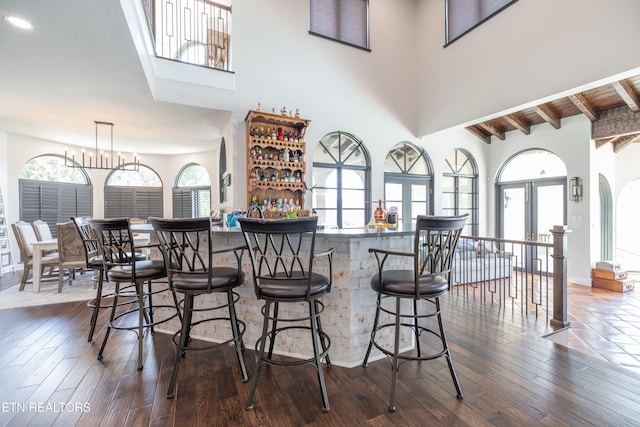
(548, 115)
(583, 104)
(519, 122)
(492, 129)
(626, 92)
(621, 142)
(602, 142)
(480, 134)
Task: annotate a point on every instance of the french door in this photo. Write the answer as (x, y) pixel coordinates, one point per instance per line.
(527, 211)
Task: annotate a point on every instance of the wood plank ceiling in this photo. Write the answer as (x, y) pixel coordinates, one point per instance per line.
(613, 109)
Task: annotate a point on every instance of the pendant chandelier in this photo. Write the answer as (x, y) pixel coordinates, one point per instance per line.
(101, 158)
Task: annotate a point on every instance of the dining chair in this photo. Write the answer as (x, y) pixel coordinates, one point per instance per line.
(71, 252)
(429, 279)
(282, 256)
(42, 230)
(116, 244)
(25, 237)
(195, 269)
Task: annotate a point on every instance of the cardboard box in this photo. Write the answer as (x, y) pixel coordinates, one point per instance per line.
(609, 274)
(613, 285)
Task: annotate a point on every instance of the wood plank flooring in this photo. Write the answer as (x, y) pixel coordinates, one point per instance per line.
(50, 376)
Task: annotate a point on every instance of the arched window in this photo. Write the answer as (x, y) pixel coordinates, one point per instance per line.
(192, 192)
(133, 194)
(341, 181)
(224, 175)
(53, 192)
(408, 178)
(460, 188)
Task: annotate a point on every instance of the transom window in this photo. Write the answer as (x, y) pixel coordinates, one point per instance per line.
(346, 21)
(462, 16)
(460, 188)
(408, 181)
(341, 181)
(192, 192)
(133, 194)
(53, 192)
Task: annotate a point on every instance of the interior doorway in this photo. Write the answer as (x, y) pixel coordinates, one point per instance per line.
(531, 191)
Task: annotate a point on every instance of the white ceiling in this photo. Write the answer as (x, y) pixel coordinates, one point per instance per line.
(79, 64)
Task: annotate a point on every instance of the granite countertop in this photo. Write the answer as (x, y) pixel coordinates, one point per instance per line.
(402, 230)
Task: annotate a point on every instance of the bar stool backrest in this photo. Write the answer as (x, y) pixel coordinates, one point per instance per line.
(280, 249)
(115, 241)
(186, 245)
(88, 237)
(435, 243)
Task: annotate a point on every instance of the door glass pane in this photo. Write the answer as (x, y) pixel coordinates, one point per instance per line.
(325, 198)
(353, 218)
(328, 218)
(465, 184)
(418, 209)
(514, 214)
(550, 212)
(448, 201)
(418, 192)
(352, 199)
(353, 179)
(448, 184)
(393, 194)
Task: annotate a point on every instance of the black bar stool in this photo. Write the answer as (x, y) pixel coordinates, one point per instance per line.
(118, 251)
(433, 249)
(282, 255)
(96, 264)
(190, 260)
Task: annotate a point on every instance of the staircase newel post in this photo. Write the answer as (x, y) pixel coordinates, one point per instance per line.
(560, 315)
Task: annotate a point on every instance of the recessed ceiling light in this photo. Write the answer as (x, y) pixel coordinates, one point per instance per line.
(18, 22)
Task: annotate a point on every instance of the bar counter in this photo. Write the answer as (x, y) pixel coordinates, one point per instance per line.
(349, 307)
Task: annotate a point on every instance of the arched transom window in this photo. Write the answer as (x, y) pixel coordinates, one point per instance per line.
(341, 181)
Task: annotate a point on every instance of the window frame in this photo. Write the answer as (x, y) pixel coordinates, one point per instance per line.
(314, 24)
(146, 201)
(186, 199)
(54, 201)
(473, 221)
(405, 178)
(340, 166)
(484, 6)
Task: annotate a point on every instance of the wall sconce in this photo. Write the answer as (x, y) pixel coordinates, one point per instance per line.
(576, 189)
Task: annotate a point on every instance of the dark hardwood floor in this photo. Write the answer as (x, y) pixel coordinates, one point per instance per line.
(510, 376)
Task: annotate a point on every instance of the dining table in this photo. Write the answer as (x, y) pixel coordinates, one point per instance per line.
(141, 238)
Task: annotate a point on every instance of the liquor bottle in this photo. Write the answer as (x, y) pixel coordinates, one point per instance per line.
(379, 214)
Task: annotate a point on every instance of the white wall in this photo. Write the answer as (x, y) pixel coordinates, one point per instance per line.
(531, 50)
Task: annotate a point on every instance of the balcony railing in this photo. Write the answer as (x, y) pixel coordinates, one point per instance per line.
(192, 31)
(528, 275)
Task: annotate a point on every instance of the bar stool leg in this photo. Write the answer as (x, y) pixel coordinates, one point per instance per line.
(394, 364)
(322, 340)
(111, 318)
(259, 355)
(141, 318)
(182, 344)
(237, 341)
(373, 332)
(415, 325)
(445, 346)
(97, 304)
(315, 338)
